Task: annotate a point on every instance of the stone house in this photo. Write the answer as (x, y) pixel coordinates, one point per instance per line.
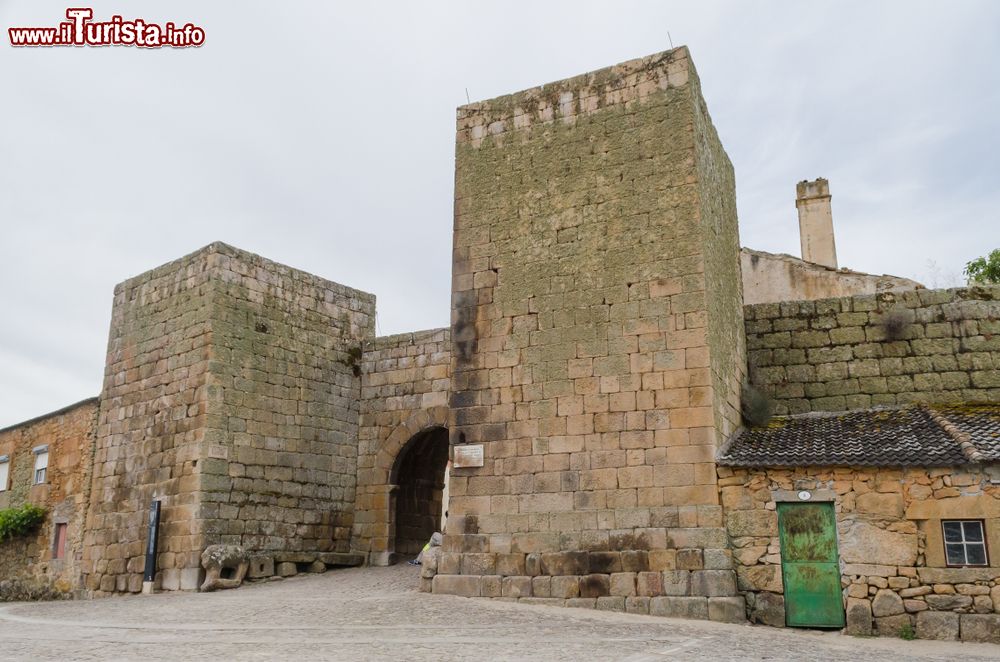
(595, 367)
(46, 462)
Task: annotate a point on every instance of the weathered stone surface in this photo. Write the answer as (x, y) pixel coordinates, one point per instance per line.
(464, 585)
(679, 607)
(727, 609)
(887, 603)
(915, 591)
(940, 625)
(595, 586)
(713, 583)
(261, 566)
(957, 575)
(610, 603)
(859, 617)
(491, 586)
(676, 582)
(565, 587)
(760, 578)
(566, 563)
(515, 587)
(603, 562)
(637, 605)
(893, 626)
(982, 604)
(863, 542)
(913, 606)
(752, 523)
(980, 627)
(768, 609)
(948, 602)
(884, 505)
(287, 569)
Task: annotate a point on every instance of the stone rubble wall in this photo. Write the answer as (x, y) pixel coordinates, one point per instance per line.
(892, 557)
(404, 391)
(591, 217)
(837, 354)
(69, 434)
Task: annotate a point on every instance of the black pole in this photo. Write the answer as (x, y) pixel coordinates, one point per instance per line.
(151, 537)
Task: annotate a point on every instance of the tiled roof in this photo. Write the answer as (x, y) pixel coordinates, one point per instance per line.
(908, 436)
(980, 422)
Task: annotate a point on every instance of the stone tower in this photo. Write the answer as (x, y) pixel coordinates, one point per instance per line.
(598, 353)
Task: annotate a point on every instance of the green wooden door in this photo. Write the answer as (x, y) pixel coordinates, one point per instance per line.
(810, 565)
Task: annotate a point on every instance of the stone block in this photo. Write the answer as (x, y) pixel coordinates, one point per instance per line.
(317, 567)
(948, 602)
(941, 625)
(887, 603)
(605, 562)
(861, 541)
(465, 585)
(287, 569)
(713, 583)
(533, 564)
(637, 605)
(541, 586)
(679, 607)
(690, 559)
(759, 523)
(662, 559)
(449, 563)
(623, 584)
(649, 584)
(565, 563)
(582, 603)
(516, 587)
(510, 565)
(635, 560)
(261, 566)
(565, 587)
(980, 627)
(760, 578)
(611, 603)
(727, 609)
(595, 585)
(191, 578)
(676, 582)
(859, 617)
(893, 626)
(982, 604)
(914, 606)
(479, 564)
(490, 586)
(718, 559)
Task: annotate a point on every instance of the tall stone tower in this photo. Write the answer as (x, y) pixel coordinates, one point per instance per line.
(598, 352)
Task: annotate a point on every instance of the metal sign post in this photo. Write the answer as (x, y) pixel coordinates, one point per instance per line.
(152, 536)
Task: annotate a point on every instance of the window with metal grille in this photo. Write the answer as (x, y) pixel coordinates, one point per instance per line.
(964, 542)
(4, 472)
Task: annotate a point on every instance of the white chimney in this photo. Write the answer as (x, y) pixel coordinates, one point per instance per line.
(816, 222)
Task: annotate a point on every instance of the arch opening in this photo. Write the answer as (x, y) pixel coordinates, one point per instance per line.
(418, 475)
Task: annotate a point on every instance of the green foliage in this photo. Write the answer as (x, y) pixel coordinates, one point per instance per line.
(984, 269)
(20, 521)
(906, 632)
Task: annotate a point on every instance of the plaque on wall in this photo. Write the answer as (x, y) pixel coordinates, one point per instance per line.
(470, 455)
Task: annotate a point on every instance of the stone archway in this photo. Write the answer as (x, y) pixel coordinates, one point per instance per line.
(418, 480)
(375, 514)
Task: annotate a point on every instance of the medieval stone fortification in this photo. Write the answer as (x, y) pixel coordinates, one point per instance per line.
(595, 372)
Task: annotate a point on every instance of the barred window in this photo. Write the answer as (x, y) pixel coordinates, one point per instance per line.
(964, 542)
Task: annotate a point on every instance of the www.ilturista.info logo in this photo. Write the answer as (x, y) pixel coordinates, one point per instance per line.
(80, 30)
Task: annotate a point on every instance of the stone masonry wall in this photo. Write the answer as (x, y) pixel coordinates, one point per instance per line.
(893, 568)
(886, 349)
(283, 390)
(231, 395)
(69, 435)
(404, 391)
(151, 428)
(582, 358)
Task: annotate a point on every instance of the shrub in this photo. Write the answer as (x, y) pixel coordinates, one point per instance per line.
(20, 521)
(758, 408)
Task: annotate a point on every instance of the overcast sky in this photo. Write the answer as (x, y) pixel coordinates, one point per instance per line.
(323, 137)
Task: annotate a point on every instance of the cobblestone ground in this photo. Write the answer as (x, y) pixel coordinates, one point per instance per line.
(376, 614)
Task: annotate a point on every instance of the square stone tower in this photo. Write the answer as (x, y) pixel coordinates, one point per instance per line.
(231, 394)
(598, 346)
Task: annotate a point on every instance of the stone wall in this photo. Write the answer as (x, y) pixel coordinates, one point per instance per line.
(404, 392)
(893, 348)
(69, 435)
(591, 216)
(230, 395)
(776, 277)
(893, 568)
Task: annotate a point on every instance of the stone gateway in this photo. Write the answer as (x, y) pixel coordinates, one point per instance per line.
(605, 422)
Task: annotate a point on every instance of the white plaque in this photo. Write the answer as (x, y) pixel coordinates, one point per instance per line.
(468, 456)
(805, 495)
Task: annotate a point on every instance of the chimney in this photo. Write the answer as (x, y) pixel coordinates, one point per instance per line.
(816, 222)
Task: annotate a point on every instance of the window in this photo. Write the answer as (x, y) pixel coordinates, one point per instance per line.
(41, 463)
(964, 542)
(59, 541)
(4, 471)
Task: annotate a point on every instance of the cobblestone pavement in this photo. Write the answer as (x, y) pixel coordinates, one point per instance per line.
(376, 614)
